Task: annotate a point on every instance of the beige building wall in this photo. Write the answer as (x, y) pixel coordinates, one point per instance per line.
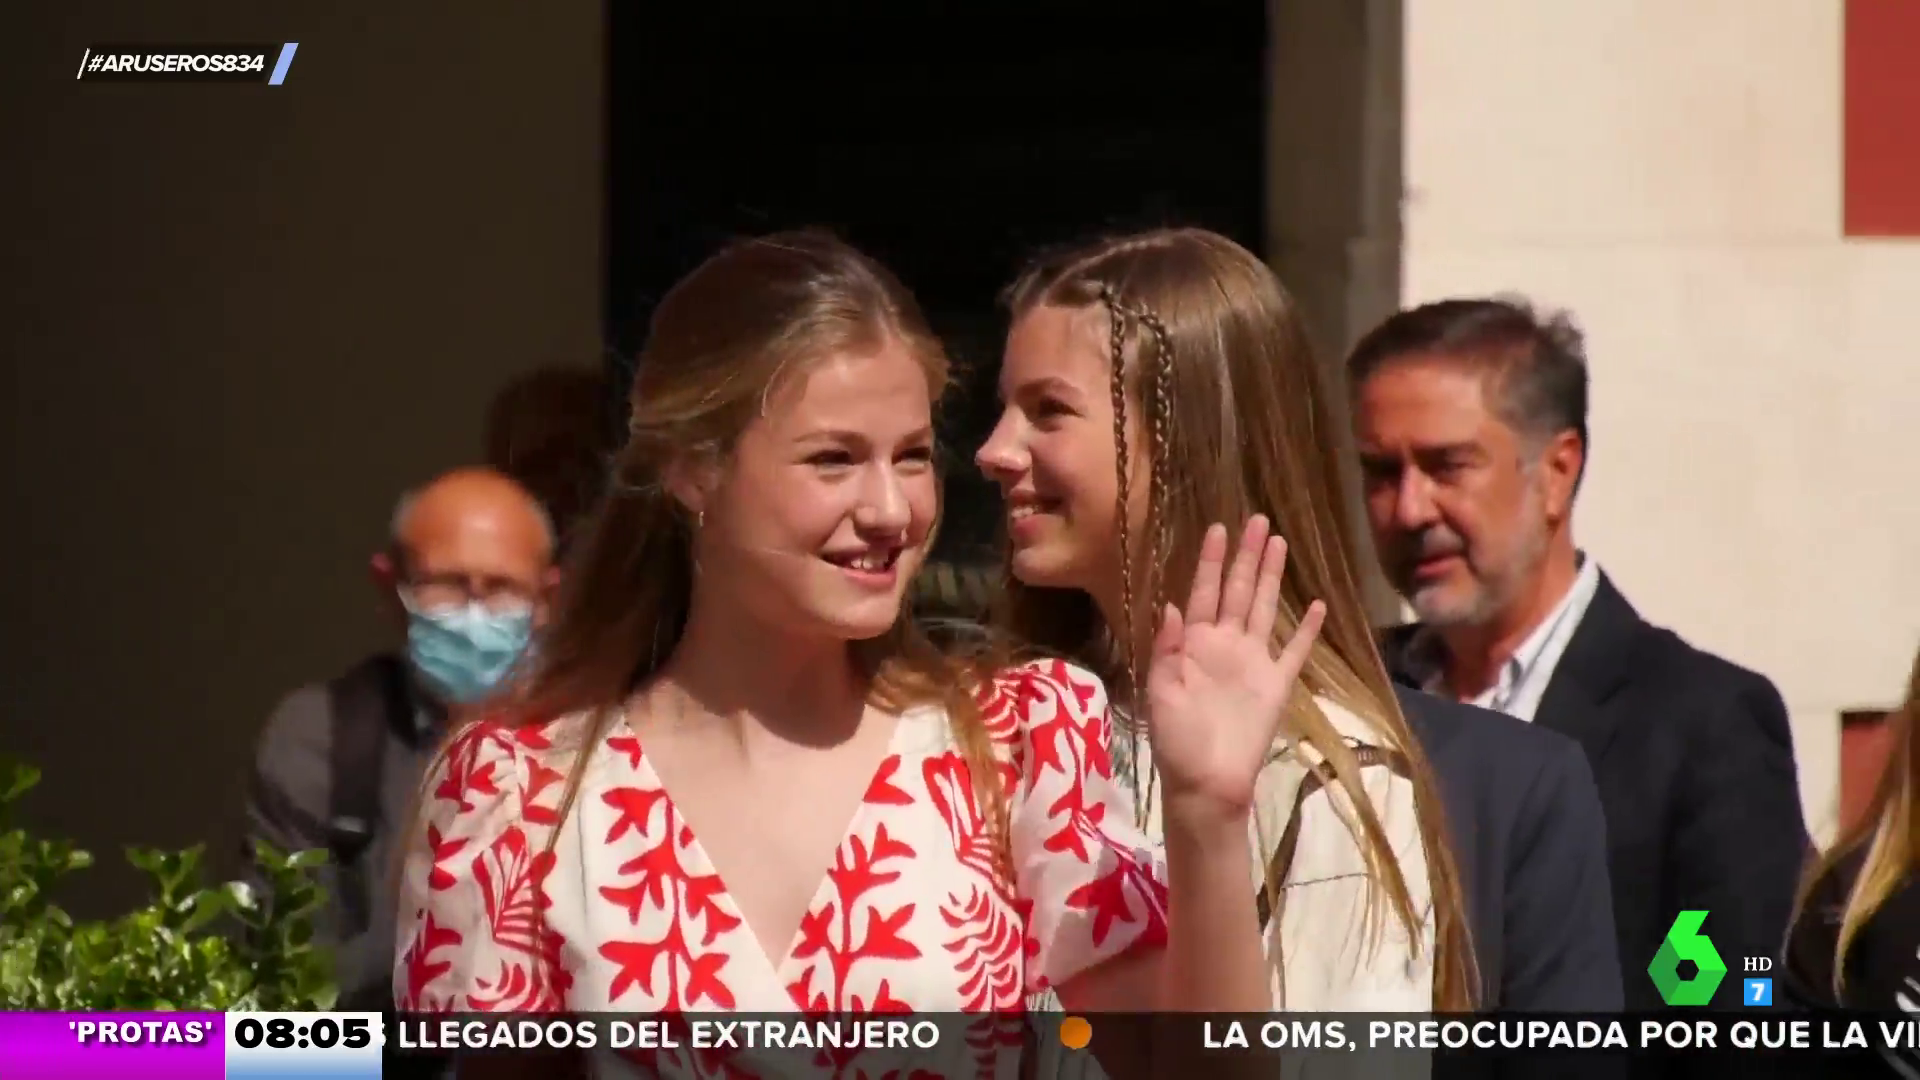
(1671, 173)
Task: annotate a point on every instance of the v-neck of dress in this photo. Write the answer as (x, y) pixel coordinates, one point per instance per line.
(849, 860)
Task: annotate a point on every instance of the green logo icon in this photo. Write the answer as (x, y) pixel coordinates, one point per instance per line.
(1685, 942)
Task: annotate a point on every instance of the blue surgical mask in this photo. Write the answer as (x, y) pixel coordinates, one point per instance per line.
(463, 654)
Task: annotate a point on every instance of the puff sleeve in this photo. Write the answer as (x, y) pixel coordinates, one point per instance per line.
(471, 933)
(1092, 882)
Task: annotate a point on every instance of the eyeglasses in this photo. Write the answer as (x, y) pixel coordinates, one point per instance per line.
(438, 592)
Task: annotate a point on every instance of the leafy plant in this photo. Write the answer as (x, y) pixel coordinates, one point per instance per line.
(190, 948)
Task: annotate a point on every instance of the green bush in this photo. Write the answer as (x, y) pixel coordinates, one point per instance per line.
(190, 949)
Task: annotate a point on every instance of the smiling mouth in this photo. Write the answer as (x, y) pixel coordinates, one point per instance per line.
(1022, 511)
(866, 562)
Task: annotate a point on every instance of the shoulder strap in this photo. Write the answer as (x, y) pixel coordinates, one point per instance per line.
(1268, 900)
(368, 702)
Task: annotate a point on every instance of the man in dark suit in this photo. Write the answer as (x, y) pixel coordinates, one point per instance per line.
(1530, 838)
(1471, 422)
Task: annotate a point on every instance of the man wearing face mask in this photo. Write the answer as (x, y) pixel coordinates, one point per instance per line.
(466, 577)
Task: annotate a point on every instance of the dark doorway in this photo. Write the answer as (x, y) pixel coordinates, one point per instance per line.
(947, 140)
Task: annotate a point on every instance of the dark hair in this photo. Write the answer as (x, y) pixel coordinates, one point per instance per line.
(1536, 364)
(546, 430)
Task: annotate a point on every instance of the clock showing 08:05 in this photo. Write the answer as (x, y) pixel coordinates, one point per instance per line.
(304, 1046)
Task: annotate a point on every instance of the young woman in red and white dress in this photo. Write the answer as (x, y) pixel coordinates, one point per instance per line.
(739, 780)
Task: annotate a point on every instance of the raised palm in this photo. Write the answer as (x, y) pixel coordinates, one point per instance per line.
(1216, 690)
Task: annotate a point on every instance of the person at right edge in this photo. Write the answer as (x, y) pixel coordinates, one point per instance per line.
(1470, 417)
(1855, 943)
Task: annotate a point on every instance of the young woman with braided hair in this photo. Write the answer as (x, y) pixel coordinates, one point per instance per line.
(736, 779)
(1153, 384)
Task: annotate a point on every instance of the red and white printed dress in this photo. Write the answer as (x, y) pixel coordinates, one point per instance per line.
(627, 914)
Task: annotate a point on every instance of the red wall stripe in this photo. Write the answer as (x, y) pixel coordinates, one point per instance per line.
(1882, 152)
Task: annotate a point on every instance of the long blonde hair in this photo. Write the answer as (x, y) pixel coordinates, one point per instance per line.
(1208, 353)
(758, 311)
(1887, 832)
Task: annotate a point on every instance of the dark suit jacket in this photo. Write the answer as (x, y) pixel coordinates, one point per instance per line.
(1695, 767)
(1531, 842)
